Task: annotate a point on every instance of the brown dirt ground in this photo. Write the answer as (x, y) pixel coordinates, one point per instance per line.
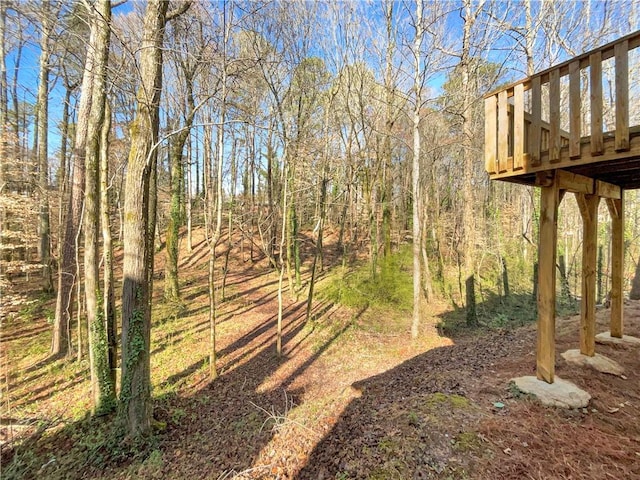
(344, 402)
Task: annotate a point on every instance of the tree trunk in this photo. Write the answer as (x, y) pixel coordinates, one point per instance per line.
(215, 236)
(635, 284)
(227, 253)
(187, 199)
(171, 286)
(468, 158)
(63, 170)
(387, 177)
(282, 262)
(472, 316)
(135, 391)
(109, 301)
(3, 78)
(103, 389)
(61, 342)
(43, 144)
(4, 107)
(318, 255)
(415, 172)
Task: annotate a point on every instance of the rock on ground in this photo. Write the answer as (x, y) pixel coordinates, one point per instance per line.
(597, 362)
(560, 393)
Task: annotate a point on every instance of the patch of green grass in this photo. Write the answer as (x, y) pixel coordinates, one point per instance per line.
(467, 442)
(390, 286)
(439, 400)
(36, 308)
(168, 312)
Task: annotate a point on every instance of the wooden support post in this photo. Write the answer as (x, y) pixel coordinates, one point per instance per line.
(597, 139)
(490, 133)
(616, 210)
(503, 132)
(518, 126)
(575, 118)
(554, 109)
(588, 205)
(535, 135)
(549, 202)
(622, 96)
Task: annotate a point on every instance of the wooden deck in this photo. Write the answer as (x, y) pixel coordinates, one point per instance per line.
(539, 123)
(535, 134)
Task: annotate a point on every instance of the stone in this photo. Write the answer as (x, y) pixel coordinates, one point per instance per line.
(606, 338)
(597, 362)
(560, 393)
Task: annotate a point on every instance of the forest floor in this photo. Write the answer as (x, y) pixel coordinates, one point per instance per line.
(352, 397)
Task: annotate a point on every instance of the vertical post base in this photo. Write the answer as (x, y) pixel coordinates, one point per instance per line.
(545, 352)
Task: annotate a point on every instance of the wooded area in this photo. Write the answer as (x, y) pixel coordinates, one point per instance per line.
(319, 138)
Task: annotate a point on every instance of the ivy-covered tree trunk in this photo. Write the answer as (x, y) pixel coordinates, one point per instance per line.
(171, 286)
(102, 385)
(135, 392)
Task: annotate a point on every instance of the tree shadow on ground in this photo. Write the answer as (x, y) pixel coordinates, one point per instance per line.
(496, 311)
(417, 420)
(451, 413)
(413, 421)
(205, 429)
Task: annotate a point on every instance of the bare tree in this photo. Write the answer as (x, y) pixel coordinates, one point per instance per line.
(61, 341)
(47, 14)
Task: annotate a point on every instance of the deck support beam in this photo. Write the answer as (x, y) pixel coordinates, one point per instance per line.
(588, 205)
(616, 210)
(545, 352)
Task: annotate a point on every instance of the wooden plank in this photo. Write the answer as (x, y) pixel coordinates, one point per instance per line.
(573, 182)
(616, 210)
(518, 126)
(607, 51)
(554, 113)
(503, 131)
(622, 96)
(575, 114)
(535, 135)
(545, 352)
(597, 141)
(490, 134)
(588, 205)
(608, 190)
(609, 155)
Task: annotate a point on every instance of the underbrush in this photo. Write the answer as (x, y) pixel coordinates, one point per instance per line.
(84, 446)
(359, 287)
(383, 301)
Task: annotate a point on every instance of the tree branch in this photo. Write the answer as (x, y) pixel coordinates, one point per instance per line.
(185, 5)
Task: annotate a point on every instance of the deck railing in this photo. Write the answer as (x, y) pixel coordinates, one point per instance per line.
(523, 122)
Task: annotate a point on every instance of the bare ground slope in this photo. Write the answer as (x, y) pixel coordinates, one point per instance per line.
(345, 401)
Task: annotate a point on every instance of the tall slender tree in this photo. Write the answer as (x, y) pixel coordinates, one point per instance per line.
(67, 272)
(47, 14)
(103, 388)
(135, 391)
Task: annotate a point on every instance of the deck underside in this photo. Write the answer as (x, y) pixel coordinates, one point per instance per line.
(618, 168)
